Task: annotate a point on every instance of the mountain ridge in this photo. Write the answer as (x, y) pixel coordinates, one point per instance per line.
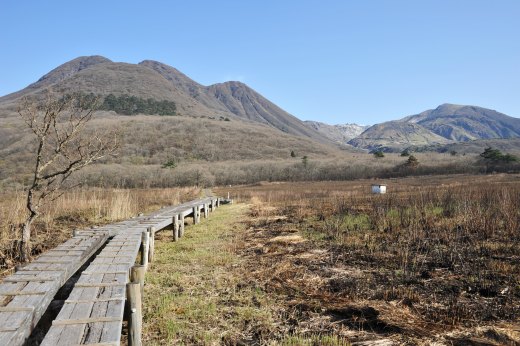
(152, 79)
(447, 123)
(96, 74)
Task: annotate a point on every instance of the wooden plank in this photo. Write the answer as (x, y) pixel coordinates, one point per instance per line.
(104, 272)
(52, 261)
(42, 270)
(15, 308)
(97, 300)
(111, 263)
(114, 343)
(39, 290)
(31, 279)
(84, 321)
(23, 293)
(93, 301)
(99, 284)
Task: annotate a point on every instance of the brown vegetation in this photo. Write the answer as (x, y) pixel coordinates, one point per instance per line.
(75, 209)
(434, 260)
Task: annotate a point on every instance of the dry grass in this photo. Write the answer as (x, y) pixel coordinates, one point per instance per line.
(200, 291)
(435, 260)
(75, 209)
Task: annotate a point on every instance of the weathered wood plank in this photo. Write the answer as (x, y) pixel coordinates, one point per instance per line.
(93, 313)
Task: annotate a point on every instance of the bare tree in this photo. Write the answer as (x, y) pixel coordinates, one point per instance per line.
(63, 147)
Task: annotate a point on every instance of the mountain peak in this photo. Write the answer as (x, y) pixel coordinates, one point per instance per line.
(448, 107)
(71, 67)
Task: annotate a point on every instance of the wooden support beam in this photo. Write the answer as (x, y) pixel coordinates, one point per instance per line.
(137, 274)
(195, 214)
(135, 316)
(206, 211)
(151, 253)
(145, 243)
(181, 226)
(175, 222)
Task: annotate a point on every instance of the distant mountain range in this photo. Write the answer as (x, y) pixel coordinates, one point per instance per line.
(445, 125)
(338, 133)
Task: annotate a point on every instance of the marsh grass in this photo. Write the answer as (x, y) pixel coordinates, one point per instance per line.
(442, 250)
(75, 209)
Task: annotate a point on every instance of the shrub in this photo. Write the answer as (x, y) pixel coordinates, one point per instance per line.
(379, 154)
(412, 162)
(495, 155)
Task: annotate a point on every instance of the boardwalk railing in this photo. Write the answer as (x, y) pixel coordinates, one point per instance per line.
(94, 311)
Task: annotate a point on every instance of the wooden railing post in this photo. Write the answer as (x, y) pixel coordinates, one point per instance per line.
(137, 274)
(196, 214)
(145, 243)
(181, 226)
(175, 227)
(212, 205)
(218, 202)
(135, 314)
(206, 211)
(151, 253)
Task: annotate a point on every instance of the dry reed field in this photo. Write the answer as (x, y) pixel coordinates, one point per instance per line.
(75, 209)
(434, 261)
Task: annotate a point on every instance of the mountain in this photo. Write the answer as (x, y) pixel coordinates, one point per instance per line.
(396, 135)
(338, 133)
(236, 98)
(226, 126)
(235, 101)
(464, 123)
(448, 123)
(58, 74)
(160, 82)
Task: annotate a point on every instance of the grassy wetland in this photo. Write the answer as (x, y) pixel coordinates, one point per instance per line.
(435, 261)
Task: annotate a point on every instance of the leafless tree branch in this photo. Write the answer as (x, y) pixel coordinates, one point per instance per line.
(64, 146)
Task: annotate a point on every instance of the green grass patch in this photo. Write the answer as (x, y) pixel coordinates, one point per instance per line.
(194, 294)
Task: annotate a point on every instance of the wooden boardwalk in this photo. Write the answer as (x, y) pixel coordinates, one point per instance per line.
(94, 311)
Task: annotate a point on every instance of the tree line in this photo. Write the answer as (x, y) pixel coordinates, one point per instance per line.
(126, 104)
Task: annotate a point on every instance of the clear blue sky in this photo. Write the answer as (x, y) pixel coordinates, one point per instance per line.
(336, 61)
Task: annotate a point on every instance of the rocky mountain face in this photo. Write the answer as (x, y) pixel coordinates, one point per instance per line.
(445, 124)
(396, 135)
(338, 133)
